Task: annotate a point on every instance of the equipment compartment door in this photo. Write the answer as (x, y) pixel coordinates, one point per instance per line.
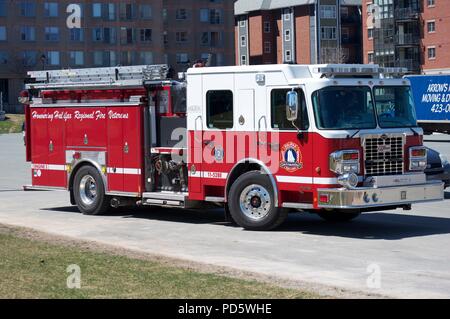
(40, 144)
(56, 150)
(132, 144)
(115, 151)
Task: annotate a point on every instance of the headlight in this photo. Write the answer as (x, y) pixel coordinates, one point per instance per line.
(418, 158)
(344, 162)
(444, 160)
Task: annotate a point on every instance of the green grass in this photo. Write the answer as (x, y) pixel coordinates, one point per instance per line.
(30, 269)
(13, 124)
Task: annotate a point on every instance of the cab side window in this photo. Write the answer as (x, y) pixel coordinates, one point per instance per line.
(219, 109)
(278, 111)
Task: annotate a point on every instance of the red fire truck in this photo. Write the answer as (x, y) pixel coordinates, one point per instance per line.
(261, 141)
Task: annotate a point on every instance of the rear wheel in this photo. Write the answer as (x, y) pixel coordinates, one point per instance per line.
(252, 203)
(337, 216)
(89, 192)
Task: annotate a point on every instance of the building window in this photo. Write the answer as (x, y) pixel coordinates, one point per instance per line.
(328, 12)
(267, 27)
(181, 14)
(328, 33)
(204, 15)
(29, 58)
(243, 23)
(3, 35)
(28, 33)
(127, 11)
(243, 41)
(146, 35)
(53, 58)
(243, 60)
(97, 10)
(51, 34)
(431, 3)
(76, 35)
(51, 9)
(146, 57)
(215, 16)
(28, 8)
(370, 57)
(98, 58)
(431, 26)
(370, 33)
(146, 12)
(181, 37)
(287, 35)
(288, 56)
(431, 53)
(219, 110)
(267, 47)
(182, 58)
(111, 11)
(126, 35)
(345, 34)
(76, 58)
(4, 57)
(3, 6)
(287, 14)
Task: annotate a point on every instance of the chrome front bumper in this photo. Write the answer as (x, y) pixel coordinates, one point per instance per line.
(367, 197)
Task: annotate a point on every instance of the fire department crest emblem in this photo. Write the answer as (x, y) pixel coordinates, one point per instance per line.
(291, 157)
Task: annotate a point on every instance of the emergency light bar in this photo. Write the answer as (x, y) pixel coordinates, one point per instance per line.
(362, 70)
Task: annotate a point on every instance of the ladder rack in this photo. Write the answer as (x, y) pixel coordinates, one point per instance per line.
(120, 77)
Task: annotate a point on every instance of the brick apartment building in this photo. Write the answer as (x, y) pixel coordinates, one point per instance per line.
(34, 35)
(298, 31)
(409, 34)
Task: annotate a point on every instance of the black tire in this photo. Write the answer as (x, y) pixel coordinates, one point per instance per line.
(100, 202)
(270, 217)
(336, 216)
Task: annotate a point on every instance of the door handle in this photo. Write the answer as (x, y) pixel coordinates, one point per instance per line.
(126, 148)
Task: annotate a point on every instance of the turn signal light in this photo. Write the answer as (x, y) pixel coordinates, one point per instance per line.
(419, 152)
(324, 199)
(353, 156)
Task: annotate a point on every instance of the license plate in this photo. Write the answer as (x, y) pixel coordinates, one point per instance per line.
(404, 195)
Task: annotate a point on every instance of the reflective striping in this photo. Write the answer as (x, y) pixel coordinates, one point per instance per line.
(294, 179)
(124, 171)
(209, 175)
(48, 167)
(309, 180)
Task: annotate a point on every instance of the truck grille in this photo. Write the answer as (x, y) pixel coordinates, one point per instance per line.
(384, 155)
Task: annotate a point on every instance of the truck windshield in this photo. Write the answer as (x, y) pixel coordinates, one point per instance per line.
(395, 107)
(344, 107)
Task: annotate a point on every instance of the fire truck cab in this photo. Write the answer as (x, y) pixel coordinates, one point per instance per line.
(261, 141)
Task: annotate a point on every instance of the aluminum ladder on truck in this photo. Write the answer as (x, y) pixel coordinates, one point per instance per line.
(99, 78)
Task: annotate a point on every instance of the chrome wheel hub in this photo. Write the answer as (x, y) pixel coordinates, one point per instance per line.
(88, 190)
(255, 202)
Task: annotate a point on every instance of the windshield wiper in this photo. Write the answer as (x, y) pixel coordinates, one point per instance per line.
(350, 137)
(414, 131)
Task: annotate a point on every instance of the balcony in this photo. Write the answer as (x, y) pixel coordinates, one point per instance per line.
(350, 19)
(407, 39)
(407, 14)
(412, 65)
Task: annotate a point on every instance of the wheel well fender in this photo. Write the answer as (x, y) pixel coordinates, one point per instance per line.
(81, 164)
(245, 166)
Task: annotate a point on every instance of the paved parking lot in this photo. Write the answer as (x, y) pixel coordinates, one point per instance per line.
(410, 250)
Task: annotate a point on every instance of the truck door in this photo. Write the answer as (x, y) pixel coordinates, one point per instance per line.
(295, 148)
(40, 145)
(219, 126)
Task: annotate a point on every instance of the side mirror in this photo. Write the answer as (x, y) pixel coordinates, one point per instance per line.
(292, 106)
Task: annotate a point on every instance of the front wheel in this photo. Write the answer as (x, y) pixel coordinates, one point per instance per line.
(252, 203)
(89, 191)
(336, 216)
